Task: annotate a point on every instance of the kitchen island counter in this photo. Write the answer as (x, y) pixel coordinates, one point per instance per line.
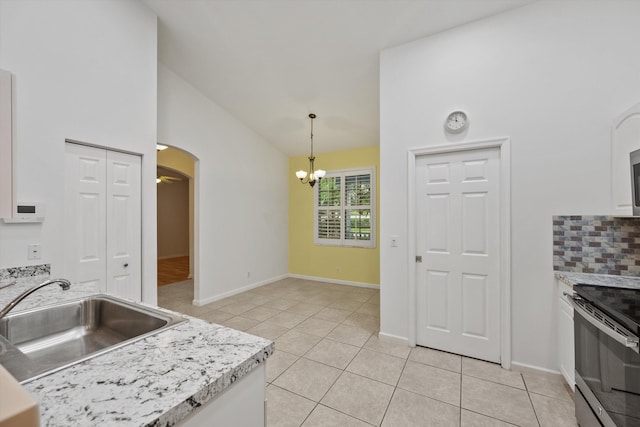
(158, 380)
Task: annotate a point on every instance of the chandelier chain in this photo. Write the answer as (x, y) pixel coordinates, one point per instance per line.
(313, 175)
(312, 116)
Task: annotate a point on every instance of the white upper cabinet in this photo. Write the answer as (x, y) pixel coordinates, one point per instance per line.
(625, 138)
(6, 174)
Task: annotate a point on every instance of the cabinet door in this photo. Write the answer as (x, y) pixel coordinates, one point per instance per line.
(625, 138)
(566, 357)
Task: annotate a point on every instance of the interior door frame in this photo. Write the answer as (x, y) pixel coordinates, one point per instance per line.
(503, 144)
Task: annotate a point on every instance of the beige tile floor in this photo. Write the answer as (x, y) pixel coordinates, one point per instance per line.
(330, 368)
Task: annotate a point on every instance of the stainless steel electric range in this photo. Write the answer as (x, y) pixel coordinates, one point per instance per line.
(606, 327)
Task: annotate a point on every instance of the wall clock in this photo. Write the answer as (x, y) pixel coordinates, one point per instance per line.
(456, 122)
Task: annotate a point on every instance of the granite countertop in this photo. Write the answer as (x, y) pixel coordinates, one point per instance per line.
(572, 279)
(155, 381)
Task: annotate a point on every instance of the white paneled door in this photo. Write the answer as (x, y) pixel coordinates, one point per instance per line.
(458, 238)
(103, 219)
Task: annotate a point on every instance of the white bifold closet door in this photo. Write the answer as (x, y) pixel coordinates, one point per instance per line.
(103, 219)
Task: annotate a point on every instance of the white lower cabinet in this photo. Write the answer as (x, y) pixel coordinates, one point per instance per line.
(241, 404)
(566, 357)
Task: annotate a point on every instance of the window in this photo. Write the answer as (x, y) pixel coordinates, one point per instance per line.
(345, 209)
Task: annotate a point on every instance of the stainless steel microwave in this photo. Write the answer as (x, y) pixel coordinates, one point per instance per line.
(634, 157)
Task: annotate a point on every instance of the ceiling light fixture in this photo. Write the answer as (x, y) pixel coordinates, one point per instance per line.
(313, 174)
(161, 147)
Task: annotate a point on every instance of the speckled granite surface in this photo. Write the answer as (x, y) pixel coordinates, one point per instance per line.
(152, 382)
(18, 272)
(572, 279)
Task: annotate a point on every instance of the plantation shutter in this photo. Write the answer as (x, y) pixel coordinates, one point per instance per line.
(357, 198)
(328, 216)
(344, 209)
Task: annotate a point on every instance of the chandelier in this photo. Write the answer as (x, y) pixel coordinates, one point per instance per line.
(312, 175)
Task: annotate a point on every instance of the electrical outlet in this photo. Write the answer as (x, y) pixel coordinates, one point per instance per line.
(34, 251)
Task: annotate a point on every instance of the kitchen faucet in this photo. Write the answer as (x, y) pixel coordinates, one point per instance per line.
(64, 284)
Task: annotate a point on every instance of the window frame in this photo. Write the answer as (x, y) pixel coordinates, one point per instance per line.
(342, 242)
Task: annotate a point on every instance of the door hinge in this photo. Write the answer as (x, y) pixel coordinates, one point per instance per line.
(418, 258)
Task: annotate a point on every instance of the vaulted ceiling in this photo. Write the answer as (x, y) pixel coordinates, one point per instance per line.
(272, 62)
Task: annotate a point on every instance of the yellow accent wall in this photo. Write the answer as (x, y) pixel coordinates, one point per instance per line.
(332, 262)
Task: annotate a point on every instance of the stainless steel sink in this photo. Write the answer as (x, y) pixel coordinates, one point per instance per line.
(40, 341)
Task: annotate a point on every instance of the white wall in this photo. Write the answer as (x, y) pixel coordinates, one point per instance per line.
(84, 70)
(551, 76)
(241, 191)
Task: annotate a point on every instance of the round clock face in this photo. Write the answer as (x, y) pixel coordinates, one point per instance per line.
(456, 122)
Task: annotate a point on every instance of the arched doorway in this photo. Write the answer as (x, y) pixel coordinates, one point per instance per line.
(177, 272)
(173, 226)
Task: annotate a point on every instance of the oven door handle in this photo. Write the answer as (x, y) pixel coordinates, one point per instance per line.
(604, 323)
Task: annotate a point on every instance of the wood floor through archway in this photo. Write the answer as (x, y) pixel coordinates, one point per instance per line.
(173, 270)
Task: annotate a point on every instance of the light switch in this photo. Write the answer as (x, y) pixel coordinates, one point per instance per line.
(394, 241)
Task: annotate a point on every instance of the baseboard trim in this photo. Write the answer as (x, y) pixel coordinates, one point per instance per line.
(205, 301)
(335, 281)
(523, 367)
(393, 338)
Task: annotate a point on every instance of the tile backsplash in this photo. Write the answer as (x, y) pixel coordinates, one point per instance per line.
(596, 244)
(28, 271)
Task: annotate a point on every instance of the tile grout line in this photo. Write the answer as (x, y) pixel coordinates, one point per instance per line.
(310, 412)
(496, 382)
(395, 388)
(535, 413)
(344, 413)
(461, 375)
(493, 418)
